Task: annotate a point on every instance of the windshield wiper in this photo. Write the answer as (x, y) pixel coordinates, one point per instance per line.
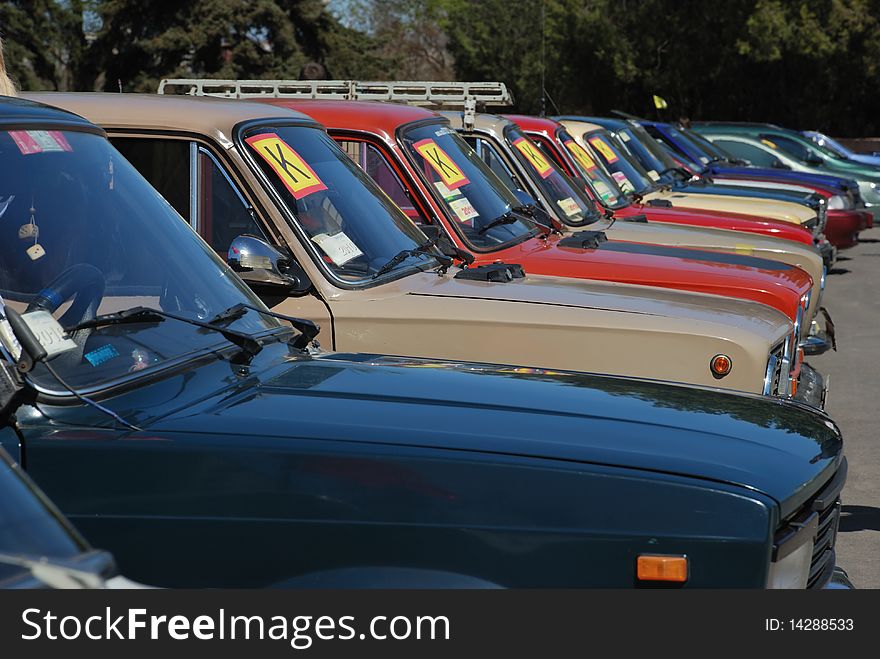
(511, 216)
(250, 346)
(425, 249)
(61, 574)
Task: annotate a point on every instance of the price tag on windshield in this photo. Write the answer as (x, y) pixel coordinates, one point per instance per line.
(338, 247)
(623, 182)
(569, 206)
(49, 332)
(441, 163)
(463, 209)
(602, 147)
(534, 156)
(300, 179)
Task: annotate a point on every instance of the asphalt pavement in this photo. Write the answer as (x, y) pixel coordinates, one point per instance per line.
(852, 295)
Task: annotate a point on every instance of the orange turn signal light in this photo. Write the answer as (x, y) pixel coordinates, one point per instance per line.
(720, 365)
(652, 567)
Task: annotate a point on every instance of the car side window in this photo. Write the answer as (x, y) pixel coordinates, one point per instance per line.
(489, 155)
(165, 164)
(223, 212)
(753, 154)
(791, 147)
(377, 167)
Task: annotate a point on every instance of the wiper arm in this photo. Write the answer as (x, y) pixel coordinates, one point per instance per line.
(509, 217)
(135, 315)
(422, 250)
(54, 573)
(308, 329)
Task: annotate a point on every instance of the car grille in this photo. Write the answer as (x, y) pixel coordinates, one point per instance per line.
(773, 376)
(823, 559)
(825, 507)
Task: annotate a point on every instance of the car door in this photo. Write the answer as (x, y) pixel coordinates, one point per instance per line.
(202, 189)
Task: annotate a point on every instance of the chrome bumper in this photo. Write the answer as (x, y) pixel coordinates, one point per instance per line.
(812, 387)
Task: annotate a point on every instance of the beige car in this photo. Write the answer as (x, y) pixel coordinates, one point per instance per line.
(586, 133)
(354, 265)
(492, 137)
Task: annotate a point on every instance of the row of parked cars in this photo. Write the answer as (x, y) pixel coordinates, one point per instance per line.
(323, 334)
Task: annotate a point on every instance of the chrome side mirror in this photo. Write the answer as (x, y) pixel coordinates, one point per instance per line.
(268, 271)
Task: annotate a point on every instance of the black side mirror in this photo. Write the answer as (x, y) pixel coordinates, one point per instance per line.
(271, 274)
(814, 160)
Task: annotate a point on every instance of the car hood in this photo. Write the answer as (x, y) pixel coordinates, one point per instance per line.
(777, 448)
(834, 182)
(773, 283)
(573, 293)
(782, 210)
(721, 220)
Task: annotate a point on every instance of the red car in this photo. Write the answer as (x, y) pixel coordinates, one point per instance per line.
(556, 143)
(436, 178)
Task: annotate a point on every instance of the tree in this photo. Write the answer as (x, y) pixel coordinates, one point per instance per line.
(140, 43)
(44, 43)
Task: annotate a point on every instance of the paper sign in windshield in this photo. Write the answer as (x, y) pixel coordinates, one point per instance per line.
(338, 247)
(300, 179)
(623, 181)
(569, 206)
(39, 141)
(580, 154)
(652, 173)
(446, 192)
(441, 163)
(534, 156)
(605, 192)
(602, 147)
(463, 209)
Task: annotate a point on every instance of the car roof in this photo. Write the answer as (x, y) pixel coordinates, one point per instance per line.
(369, 116)
(194, 114)
(20, 110)
(534, 124)
(604, 122)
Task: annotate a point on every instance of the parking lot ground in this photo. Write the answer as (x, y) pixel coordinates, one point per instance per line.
(852, 295)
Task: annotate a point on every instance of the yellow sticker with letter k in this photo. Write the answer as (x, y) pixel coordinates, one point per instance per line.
(602, 147)
(441, 163)
(293, 171)
(535, 157)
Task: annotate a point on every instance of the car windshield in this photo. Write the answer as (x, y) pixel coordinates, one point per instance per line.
(81, 232)
(28, 526)
(648, 152)
(629, 175)
(585, 160)
(473, 195)
(352, 227)
(713, 151)
(829, 145)
(570, 203)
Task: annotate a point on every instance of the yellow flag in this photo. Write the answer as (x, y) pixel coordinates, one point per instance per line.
(660, 103)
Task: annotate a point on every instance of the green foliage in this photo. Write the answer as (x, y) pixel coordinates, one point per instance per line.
(803, 63)
(44, 42)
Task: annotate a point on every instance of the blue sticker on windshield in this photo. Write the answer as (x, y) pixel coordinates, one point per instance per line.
(101, 355)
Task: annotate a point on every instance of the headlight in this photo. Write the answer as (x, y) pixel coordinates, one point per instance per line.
(836, 203)
(792, 556)
(870, 192)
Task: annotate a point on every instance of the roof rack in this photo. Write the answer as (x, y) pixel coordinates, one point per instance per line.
(466, 96)
(447, 94)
